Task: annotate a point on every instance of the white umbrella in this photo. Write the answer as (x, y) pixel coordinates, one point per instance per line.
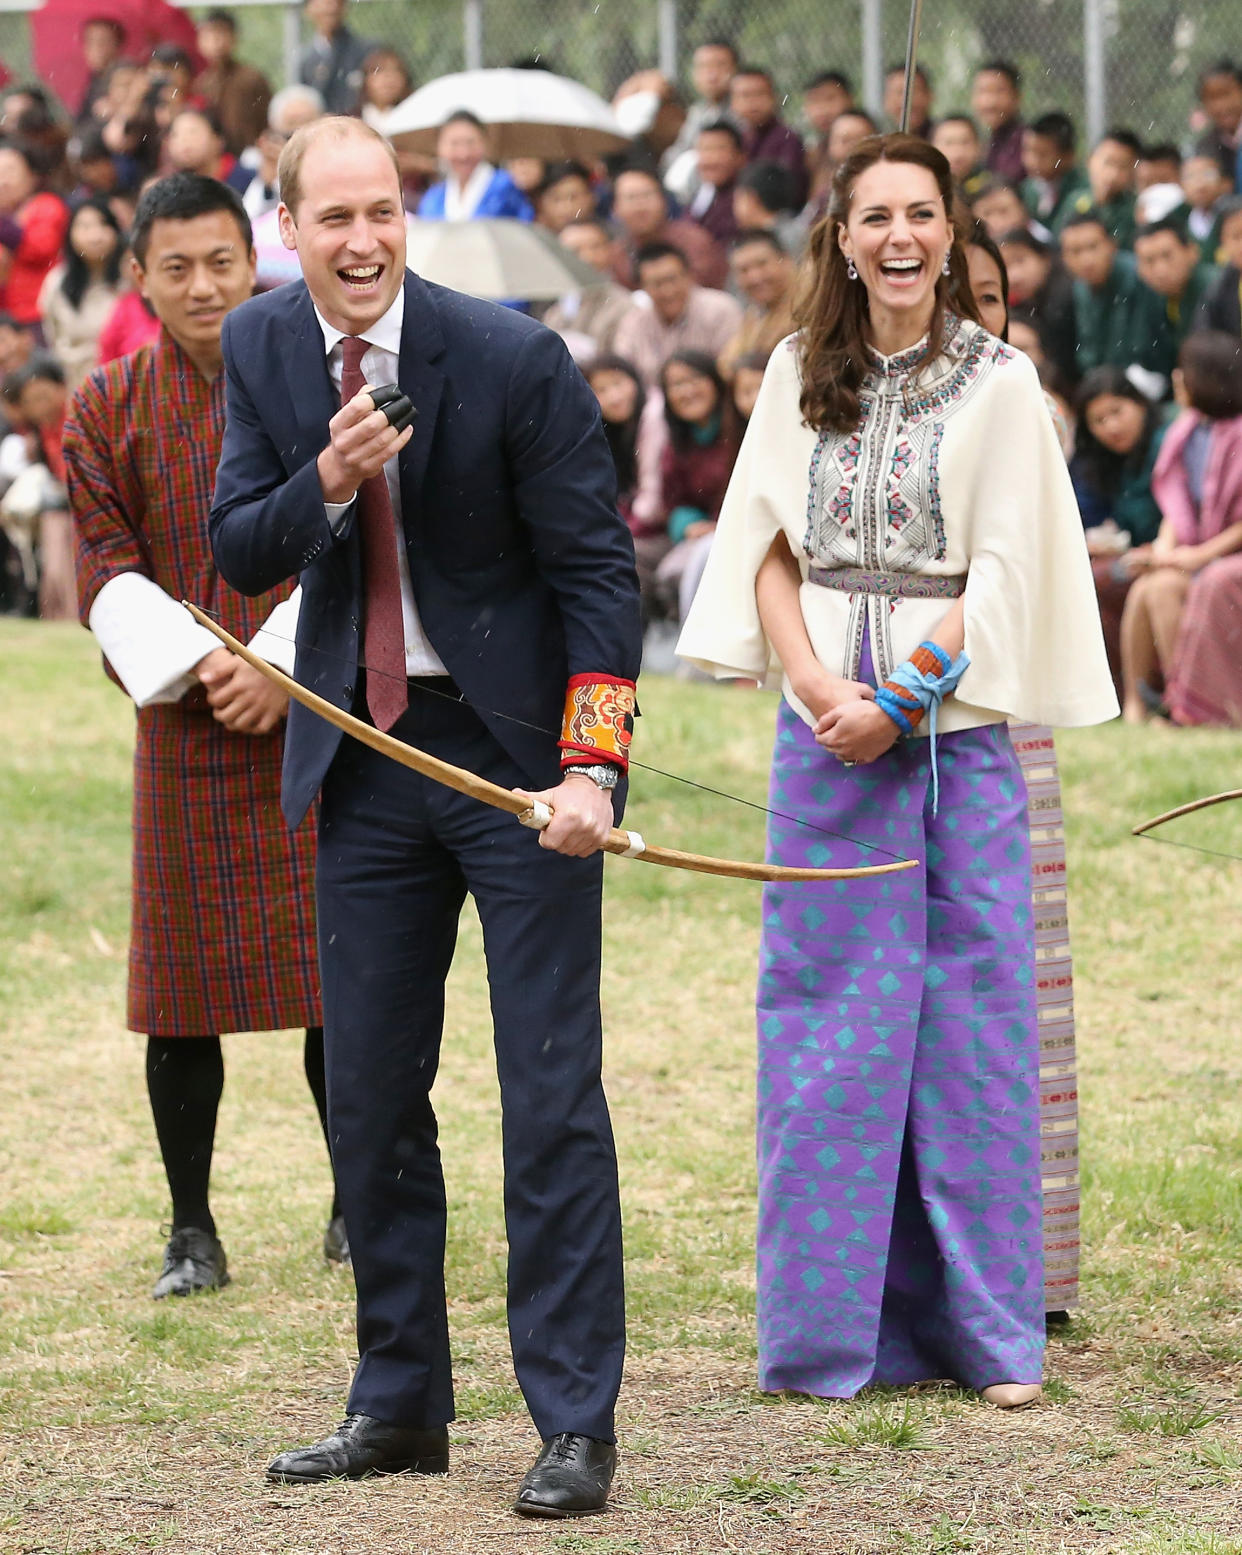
(496, 257)
(530, 113)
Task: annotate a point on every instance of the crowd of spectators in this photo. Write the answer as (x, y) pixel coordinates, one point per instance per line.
(1122, 263)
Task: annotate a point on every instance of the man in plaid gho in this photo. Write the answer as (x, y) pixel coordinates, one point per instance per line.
(223, 935)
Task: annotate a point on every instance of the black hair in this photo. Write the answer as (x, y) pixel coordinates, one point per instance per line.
(764, 235)
(920, 73)
(7, 321)
(77, 276)
(1108, 471)
(772, 184)
(592, 219)
(1088, 218)
(752, 361)
(644, 168)
(28, 153)
(1170, 223)
(181, 197)
(1160, 151)
(1123, 137)
(34, 91)
(41, 368)
(1219, 67)
(208, 114)
(650, 252)
(1058, 128)
(858, 113)
(220, 18)
(960, 118)
(755, 70)
(557, 172)
(979, 237)
(720, 43)
(830, 78)
(91, 146)
(723, 127)
(464, 116)
(1211, 364)
(681, 433)
(172, 55)
(990, 183)
(1002, 67)
(1023, 237)
(622, 436)
(1229, 207)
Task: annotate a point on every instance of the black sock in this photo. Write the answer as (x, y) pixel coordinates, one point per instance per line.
(185, 1076)
(312, 1057)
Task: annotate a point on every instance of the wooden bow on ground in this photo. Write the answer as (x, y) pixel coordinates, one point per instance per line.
(1205, 803)
(625, 844)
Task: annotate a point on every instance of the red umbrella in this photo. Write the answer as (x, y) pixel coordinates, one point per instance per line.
(56, 37)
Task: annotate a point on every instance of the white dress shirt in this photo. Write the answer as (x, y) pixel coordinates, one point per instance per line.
(379, 366)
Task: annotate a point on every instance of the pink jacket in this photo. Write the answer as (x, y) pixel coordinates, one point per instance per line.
(1222, 486)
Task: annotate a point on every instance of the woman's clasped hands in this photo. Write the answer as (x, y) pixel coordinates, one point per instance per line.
(848, 724)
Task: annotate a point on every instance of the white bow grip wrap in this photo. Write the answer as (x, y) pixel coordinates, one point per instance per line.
(539, 816)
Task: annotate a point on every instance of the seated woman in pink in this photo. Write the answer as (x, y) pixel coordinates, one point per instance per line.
(1183, 616)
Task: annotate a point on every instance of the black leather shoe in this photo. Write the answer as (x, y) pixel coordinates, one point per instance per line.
(570, 1478)
(193, 1260)
(360, 1446)
(336, 1242)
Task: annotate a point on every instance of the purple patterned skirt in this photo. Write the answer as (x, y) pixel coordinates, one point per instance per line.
(898, 1099)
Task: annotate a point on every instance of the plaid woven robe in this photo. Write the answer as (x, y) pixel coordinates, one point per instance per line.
(223, 935)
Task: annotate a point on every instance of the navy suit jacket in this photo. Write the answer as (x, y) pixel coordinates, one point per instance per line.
(523, 571)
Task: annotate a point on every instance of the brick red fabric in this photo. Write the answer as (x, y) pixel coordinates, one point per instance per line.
(223, 931)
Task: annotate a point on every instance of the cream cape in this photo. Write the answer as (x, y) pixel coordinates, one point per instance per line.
(954, 471)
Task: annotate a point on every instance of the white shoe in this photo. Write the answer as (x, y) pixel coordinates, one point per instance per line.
(1011, 1395)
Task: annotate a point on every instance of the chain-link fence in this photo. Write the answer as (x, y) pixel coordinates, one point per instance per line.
(1130, 62)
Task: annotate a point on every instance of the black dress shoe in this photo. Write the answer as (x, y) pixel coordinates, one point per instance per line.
(360, 1446)
(570, 1478)
(336, 1242)
(193, 1260)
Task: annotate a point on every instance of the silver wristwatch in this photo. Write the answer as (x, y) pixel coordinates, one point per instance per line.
(604, 776)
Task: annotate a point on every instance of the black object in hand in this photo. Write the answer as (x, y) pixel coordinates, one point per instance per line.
(395, 404)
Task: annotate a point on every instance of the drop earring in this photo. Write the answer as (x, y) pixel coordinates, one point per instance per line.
(851, 269)
(944, 270)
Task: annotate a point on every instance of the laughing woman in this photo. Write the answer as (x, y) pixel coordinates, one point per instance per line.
(901, 535)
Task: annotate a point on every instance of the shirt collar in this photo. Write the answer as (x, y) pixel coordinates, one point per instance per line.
(384, 333)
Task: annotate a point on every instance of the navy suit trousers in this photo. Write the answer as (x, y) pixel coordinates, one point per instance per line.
(397, 855)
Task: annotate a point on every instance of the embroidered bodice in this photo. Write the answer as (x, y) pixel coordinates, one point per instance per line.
(874, 496)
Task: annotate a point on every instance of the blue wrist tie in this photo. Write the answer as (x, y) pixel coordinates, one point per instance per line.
(925, 691)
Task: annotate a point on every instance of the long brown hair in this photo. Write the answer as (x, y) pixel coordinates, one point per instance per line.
(831, 312)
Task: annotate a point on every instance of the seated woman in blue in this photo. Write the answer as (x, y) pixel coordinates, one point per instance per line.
(472, 186)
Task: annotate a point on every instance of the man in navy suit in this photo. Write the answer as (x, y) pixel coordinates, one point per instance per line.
(468, 583)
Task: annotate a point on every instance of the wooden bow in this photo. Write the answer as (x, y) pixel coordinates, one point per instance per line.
(624, 844)
(1187, 809)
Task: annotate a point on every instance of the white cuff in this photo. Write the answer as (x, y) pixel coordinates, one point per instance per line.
(276, 639)
(150, 640)
(336, 513)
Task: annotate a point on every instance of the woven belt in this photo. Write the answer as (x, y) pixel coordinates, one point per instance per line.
(893, 585)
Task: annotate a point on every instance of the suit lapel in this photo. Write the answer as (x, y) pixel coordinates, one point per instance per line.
(422, 342)
(305, 365)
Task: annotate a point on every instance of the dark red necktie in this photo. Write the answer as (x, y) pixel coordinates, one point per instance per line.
(383, 643)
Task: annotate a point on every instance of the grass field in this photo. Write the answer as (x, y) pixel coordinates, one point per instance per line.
(130, 1426)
